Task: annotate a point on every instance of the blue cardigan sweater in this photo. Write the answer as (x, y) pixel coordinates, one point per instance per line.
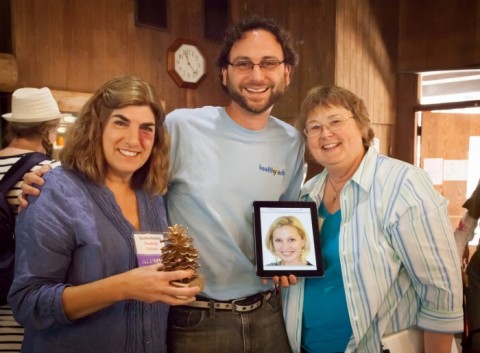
(75, 233)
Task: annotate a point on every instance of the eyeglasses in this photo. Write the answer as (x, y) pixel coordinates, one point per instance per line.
(333, 123)
(247, 65)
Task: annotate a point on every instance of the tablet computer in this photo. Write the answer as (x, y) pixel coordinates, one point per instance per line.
(287, 239)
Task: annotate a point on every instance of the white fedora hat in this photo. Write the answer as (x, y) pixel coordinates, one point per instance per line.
(33, 105)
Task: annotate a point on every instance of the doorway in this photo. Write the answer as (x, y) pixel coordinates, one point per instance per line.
(448, 136)
(448, 147)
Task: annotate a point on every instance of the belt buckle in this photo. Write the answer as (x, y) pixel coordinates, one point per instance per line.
(234, 303)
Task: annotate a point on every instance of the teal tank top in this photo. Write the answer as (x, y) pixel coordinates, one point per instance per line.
(326, 324)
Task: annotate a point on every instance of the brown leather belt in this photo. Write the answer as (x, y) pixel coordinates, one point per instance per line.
(240, 305)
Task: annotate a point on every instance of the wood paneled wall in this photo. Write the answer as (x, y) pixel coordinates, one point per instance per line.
(366, 47)
(77, 45)
(439, 35)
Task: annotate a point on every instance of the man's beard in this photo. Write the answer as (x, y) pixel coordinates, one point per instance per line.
(243, 102)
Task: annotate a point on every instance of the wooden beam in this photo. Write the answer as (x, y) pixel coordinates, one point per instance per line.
(69, 101)
(8, 73)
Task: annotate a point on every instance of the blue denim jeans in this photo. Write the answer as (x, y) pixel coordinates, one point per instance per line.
(194, 330)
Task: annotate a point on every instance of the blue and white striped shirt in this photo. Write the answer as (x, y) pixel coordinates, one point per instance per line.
(6, 163)
(397, 252)
(11, 333)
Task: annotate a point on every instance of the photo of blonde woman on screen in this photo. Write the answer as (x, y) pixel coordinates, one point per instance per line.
(287, 239)
(288, 242)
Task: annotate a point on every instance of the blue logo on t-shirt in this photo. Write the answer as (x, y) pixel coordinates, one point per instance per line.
(271, 170)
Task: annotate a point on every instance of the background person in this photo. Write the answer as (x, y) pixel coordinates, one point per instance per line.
(76, 286)
(287, 240)
(32, 127)
(389, 252)
(463, 234)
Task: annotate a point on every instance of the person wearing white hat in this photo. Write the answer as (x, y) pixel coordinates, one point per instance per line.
(33, 121)
(32, 126)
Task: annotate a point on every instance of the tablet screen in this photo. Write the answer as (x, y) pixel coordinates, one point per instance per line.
(287, 239)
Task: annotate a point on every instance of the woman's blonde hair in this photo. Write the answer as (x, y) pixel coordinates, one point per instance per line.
(83, 150)
(287, 221)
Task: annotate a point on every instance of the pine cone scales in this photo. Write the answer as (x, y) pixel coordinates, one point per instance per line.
(179, 252)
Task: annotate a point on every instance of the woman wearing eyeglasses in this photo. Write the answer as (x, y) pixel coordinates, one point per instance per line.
(387, 241)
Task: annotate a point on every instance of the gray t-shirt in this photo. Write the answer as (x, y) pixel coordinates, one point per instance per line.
(218, 169)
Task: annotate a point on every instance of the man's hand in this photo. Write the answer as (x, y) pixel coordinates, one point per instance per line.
(283, 281)
(29, 180)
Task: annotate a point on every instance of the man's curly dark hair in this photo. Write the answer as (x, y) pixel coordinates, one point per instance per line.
(236, 32)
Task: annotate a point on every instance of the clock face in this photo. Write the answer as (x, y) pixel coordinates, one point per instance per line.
(189, 63)
(186, 63)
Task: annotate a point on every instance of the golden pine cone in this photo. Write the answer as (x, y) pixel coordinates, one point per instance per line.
(179, 252)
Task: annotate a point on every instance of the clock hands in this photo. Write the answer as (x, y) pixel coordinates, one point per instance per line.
(185, 53)
(186, 63)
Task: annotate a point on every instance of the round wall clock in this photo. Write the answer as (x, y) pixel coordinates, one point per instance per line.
(186, 63)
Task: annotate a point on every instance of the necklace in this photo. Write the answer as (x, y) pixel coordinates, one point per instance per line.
(335, 196)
